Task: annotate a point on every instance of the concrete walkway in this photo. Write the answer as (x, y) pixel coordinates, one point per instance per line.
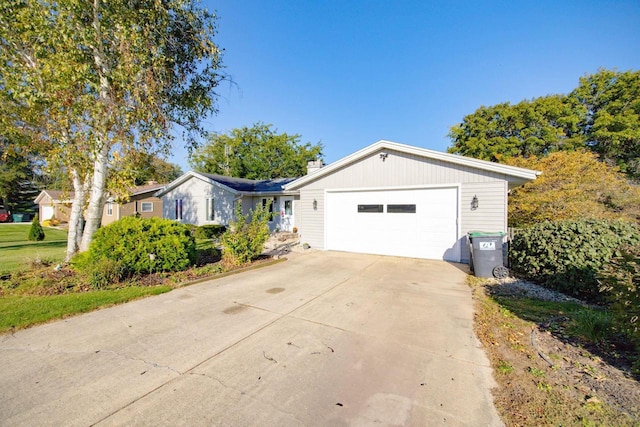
(325, 338)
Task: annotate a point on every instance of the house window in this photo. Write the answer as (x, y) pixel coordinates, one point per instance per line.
(370, 208)
(210, 215)
(269, 202)
(401, 208)
(179, 209)
(146, 206)
(109, 209)
(288, 207)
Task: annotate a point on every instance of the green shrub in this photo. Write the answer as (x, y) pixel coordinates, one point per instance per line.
(567, 255)
(209, 231)
(143, 245)
(620, 280)
(244, 241)
(36, 233)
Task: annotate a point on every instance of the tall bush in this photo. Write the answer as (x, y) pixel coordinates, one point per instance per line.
(144, 245)
(567, 255)
(36, 233)
(244, 240)
(620, 280)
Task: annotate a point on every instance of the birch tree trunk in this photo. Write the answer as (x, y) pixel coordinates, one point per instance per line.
(96, 196)
(75, 218)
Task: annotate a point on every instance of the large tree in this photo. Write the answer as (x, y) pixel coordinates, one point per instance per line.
(601, 114)
(529, 128)
(573, 185)
(258, 152)
(92, 83)
(611, 117)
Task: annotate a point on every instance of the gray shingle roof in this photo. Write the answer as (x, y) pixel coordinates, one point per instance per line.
(250, 185)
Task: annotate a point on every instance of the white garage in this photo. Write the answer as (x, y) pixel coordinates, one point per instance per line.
(399, 200)
(417, 223)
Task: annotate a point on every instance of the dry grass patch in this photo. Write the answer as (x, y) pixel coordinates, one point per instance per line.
(549, 372)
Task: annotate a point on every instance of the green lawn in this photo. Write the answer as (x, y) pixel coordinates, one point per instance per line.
(22, 311)
(17, 252)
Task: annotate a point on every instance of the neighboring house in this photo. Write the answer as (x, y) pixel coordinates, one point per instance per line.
(395, 199)
(54, 204)
(142, 202)
(202, 198)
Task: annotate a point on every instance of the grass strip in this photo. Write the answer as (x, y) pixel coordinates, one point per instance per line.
(20, 312)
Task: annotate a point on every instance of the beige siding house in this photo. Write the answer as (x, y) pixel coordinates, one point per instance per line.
(395, 199)
(54, 204)
(142, 202)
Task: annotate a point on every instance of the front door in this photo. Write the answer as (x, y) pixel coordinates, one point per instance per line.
(286, 213)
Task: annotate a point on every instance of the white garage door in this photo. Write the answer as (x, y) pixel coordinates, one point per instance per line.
(417, 223)
(47, 212)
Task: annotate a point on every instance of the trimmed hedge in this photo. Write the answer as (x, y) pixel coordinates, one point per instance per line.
(567, 255)
(144, 245)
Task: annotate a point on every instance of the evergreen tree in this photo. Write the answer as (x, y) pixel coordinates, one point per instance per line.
(36, 233)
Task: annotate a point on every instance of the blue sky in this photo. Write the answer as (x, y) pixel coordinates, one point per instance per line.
(349, 73)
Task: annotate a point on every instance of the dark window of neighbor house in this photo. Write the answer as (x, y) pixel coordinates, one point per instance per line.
(179, 209)
(146, 206)
(109, 209)
(401, 208)
(370, 208)
(211, 215)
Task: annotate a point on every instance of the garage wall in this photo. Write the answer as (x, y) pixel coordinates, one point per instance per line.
(491, 214)
(310, 221)
(400, 169)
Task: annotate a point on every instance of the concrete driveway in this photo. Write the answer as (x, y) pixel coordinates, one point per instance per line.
(324, 338)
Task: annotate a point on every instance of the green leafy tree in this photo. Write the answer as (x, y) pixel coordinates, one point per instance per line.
(529, 128)
(601, 114)
(91, 83)
(573, 185)
(258, 152)
(611, 117)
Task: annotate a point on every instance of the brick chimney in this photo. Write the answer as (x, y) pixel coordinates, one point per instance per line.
(314, 165)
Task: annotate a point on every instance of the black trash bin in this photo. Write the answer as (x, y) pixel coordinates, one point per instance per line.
(486, 254)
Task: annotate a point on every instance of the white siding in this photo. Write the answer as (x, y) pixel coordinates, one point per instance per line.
(310, 221)
(491, 214)
(194, 193)
(401, 169)
(405, 170)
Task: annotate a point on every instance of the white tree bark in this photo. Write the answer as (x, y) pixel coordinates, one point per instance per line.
(96, 196)
(75, 218)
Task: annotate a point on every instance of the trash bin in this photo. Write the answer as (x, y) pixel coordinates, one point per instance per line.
(17, 217)
(486, 254)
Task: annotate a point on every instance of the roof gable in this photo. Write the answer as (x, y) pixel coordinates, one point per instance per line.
(513, 174)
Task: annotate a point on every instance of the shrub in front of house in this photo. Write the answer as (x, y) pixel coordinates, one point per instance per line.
(244, 240)
(620, 280)
(144, 245)
(567, 255)
(209, 231)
